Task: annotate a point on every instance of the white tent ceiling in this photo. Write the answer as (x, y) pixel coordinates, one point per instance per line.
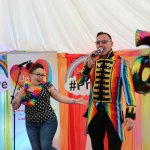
(70, 25)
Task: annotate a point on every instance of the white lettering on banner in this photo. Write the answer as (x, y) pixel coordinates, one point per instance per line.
(3, 83)
(23, 78)
(76, 89)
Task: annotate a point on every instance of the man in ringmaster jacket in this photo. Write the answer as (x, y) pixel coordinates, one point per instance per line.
(108, 73)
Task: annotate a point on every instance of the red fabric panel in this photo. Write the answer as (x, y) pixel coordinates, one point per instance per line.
(76, 121)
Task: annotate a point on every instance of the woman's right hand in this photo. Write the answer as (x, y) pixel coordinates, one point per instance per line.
(17, 99)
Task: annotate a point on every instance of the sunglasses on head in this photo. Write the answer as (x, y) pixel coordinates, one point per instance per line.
(102, 41)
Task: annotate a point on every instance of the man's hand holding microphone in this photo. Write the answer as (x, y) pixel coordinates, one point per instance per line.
(93, 57)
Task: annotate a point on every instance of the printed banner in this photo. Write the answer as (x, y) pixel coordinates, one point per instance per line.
(4, 105)
(72, 64)
(4, 85)
(71, 130)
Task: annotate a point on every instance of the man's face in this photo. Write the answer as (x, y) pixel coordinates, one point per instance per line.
(104, 41)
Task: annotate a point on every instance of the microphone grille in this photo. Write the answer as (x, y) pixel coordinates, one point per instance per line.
(30, 61)
(100, 49)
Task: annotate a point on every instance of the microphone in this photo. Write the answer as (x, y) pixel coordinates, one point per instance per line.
(100, 50)
(26, 62)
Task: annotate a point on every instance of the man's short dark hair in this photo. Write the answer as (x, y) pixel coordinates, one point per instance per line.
(101, 33)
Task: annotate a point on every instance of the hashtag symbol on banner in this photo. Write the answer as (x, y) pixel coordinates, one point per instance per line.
(72, 85)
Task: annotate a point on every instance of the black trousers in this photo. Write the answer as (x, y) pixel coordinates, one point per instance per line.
(100, 124)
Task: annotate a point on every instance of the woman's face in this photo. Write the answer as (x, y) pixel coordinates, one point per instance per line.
(37, 76)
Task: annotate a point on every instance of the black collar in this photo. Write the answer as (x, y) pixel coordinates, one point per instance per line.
(109, 54)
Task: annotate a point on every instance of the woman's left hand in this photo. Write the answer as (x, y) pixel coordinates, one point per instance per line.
(80, 101)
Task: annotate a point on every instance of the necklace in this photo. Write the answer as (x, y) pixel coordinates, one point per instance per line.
(36, 92)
